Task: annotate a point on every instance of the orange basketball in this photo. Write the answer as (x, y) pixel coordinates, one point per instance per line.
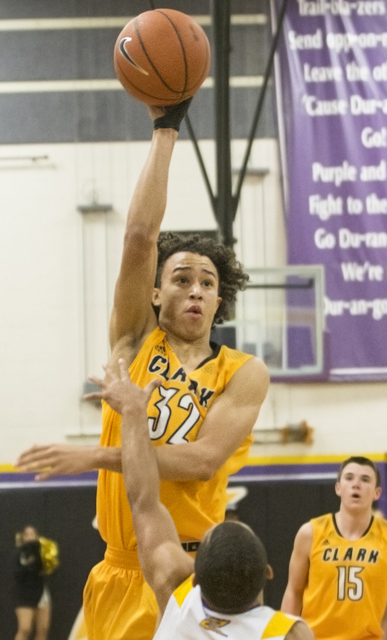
(162, 57)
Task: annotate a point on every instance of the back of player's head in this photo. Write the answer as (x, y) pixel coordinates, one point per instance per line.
(230, 567)
(364, 462)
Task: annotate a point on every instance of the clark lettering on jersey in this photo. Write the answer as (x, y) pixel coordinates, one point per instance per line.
(160, 365)
(360, 555)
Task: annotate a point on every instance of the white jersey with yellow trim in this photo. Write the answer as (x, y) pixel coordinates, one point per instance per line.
(187, 618)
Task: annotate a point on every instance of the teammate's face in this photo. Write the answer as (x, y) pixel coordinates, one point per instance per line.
(357, 486)
(188, 296)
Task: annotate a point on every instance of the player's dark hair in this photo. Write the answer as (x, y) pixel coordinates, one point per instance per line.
(230, 567)
(365, 462)
(230, 272)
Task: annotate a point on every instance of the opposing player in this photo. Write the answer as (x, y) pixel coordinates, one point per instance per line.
(218, 592)
(168, 296)
(338, 568)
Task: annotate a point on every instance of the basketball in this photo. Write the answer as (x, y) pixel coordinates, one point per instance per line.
(162, 57)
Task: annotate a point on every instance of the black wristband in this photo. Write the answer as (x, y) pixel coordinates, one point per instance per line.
(173, 116)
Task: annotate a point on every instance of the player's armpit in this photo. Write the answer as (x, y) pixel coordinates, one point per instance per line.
(298, 571)
(300, 631)
(225, 428)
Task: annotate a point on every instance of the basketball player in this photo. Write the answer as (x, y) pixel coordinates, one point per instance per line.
(338, 568)
(218, 592)
(168, 296)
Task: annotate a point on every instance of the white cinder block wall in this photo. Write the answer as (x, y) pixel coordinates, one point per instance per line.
(58, 269)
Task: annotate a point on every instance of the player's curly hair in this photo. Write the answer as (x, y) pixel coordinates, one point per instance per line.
(230, 271)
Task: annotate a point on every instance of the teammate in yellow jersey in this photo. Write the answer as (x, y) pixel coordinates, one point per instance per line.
(168, 296)
(338, 568)
(218, 592)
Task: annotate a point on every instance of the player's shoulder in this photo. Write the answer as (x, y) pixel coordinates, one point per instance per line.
(134, 350)
(251, 377)
(304, 537)
(316, 526)
(381, 524)
(249, 365)
(320, 521)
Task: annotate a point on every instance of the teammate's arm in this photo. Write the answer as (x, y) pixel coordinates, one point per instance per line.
(298, 571)
(63, 459)
(227, 424)
(163, 562)
(300, 631)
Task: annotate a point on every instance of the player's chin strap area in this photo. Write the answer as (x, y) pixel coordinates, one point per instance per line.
(191, 545)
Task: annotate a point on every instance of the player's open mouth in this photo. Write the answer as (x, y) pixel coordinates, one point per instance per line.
(195, 310)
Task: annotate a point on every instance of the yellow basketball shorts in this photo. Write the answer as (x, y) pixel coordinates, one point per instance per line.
(118, 603)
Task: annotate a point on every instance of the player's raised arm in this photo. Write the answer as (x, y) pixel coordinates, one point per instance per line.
(163, 562)
(132, 313)
(298, 571)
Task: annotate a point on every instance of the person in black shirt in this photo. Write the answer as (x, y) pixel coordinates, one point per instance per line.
(32, 599)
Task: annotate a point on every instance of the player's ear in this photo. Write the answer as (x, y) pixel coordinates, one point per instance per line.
(378, 493)
(269, 573)
(156, 297)
(337, 489)
(219, 300)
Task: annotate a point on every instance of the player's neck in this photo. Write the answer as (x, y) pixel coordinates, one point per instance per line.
(190, 354)
(353, 525)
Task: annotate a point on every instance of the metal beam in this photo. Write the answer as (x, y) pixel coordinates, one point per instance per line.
(220, 11)
(258, 111)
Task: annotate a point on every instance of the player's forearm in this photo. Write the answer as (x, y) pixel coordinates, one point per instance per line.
(185, 462)
(150, 196)
(139, 463)
(292, 602)
(108, 458)
(175, 462)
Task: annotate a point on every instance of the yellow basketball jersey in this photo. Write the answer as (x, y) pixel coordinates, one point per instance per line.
(346, 595)
(175, 414)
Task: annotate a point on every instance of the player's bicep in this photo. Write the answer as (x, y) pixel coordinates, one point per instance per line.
(235, 412)
(299, 561)
(132, 305)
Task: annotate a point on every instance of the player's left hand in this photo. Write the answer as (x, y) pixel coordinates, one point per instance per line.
(117, 389)
(56, 459)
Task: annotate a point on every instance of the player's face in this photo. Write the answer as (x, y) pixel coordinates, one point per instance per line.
(357, 487)
(188, 296)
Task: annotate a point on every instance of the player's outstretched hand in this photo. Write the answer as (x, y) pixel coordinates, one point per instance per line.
(118, 390)
(56, 459)
(169, 117)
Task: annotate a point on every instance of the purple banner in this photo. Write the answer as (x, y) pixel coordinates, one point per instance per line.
(332, 89)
